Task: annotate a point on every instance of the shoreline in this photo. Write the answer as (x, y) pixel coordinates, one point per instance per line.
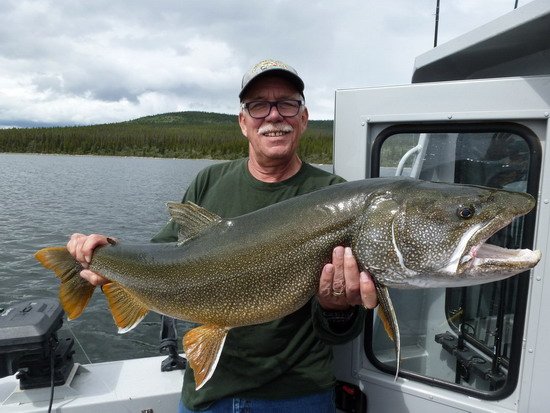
(134, 157)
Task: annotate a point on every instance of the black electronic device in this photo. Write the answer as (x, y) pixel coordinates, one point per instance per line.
(29, 345)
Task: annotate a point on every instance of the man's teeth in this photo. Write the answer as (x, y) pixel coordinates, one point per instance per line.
(275, 133)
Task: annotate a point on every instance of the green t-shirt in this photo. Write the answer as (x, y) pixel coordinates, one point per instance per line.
(289, 357)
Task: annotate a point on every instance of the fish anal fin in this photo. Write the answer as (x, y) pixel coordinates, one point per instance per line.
(387, 315)
(126, 308)
(203, 346)
(75, 292)
(191, 218)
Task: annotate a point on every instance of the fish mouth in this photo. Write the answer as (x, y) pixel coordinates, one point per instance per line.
(483, 257)
(488, 255)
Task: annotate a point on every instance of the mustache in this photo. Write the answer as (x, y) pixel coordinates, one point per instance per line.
(275, 127)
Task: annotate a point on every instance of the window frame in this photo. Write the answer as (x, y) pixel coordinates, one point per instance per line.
(533, 179)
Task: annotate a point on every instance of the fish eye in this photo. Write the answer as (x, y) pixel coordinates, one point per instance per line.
(466, 212)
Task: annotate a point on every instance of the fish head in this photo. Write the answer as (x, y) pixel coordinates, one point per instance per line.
(438, 233)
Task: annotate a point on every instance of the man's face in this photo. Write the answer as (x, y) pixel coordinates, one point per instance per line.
(274, 137)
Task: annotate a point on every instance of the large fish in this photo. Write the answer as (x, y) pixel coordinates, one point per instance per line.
(258, 267)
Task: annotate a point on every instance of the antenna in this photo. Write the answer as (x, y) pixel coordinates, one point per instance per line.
(437, 22)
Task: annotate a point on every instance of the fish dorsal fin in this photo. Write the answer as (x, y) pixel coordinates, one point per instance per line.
(127, 310)
(203, 346)
(387, 315)
(191, 218)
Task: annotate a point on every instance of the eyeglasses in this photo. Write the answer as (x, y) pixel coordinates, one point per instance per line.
(260, 109)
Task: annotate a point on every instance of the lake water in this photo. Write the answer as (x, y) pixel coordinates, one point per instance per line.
(45, 198)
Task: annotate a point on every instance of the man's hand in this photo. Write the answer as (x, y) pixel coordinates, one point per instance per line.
(81, 248)
(342, 285)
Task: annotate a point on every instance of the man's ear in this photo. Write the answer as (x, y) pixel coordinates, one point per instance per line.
(242, 124)
(304, 117)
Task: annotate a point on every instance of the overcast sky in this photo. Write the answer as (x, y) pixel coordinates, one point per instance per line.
(77, 62)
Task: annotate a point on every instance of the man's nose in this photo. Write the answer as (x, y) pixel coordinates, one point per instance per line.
(274, 113)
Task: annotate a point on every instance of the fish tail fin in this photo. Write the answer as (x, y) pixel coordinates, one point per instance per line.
(203, 346)
(387, 315)
(126, 308)
(75, 292)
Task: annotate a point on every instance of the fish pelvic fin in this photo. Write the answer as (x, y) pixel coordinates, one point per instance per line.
(75, 292)
(191, 218)
(386, 312)
(203, 346)
(127, 310)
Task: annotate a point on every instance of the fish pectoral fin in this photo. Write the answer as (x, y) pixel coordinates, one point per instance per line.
(387, 315)
(75, 292)
(386, 323)
(203, 346)
(191, 218)
(126, 308)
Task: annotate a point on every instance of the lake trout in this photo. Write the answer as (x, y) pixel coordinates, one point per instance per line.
(226, 273)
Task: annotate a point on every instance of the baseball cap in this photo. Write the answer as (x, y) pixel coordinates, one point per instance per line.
(271, 66)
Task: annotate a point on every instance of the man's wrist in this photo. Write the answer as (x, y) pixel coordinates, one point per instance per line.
(339, 316)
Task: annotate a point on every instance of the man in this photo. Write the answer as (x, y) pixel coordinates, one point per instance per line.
(284, 365)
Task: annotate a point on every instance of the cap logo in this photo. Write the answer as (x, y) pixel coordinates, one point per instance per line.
(269, 64)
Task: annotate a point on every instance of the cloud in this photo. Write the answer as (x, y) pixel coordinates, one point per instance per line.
(83, 62)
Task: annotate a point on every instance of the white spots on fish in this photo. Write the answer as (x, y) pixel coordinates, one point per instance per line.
(335, 208)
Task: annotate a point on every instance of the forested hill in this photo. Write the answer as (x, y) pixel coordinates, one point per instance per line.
(170, 135)
(187, 118)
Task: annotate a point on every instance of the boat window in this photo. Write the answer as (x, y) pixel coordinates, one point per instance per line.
(466, 338)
